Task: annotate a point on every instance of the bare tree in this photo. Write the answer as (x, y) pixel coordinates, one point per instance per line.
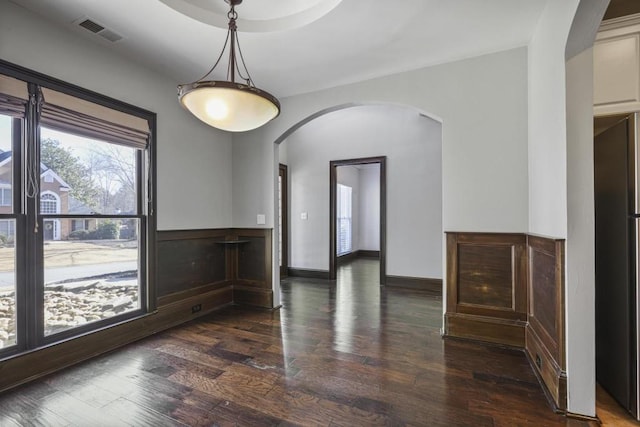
(114, 171)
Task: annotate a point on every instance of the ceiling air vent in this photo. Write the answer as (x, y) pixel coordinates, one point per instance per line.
(94, 27)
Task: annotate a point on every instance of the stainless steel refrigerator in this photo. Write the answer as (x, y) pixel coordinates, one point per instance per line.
(617, 234)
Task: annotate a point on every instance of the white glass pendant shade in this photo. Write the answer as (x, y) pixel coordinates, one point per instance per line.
(229, 106)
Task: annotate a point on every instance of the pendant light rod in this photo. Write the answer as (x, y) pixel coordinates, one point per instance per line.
(232, 35)
(233, 29)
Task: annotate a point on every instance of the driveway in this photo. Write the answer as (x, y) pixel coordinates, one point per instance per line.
(57, 274)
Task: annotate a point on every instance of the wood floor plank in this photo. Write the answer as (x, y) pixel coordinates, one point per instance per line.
(24, 411)
(611, 413)
(78, 412)
(136, 415)
(188, 410)
(230, 414)
(342, 353)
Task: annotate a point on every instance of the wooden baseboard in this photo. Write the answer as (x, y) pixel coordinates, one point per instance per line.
(257, 297)
(360, 253)
(417, 283)
(26, 367)
(583, 417)
(179, 296)
(487, 329)
(363, 253)
(308, 274)
(552, 378)
(343, 259)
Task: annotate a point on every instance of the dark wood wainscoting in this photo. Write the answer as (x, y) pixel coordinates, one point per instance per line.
(508, 289)
(487, 287)
(193, 262)
(545, 330)
(249, 263)
(190, 262)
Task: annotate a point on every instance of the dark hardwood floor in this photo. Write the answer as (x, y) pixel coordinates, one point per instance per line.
(345, 353)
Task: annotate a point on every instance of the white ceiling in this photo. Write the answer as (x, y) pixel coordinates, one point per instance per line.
(356, 40)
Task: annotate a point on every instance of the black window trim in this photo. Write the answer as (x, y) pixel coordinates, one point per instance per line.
(33, 337)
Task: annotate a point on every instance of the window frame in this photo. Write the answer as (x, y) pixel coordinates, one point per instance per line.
(30, 296)
(17, 127)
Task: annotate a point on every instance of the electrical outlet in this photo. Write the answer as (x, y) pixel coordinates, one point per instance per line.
(196, 308)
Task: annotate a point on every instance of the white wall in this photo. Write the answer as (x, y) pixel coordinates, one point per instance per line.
(547, 121)
(369, 218)
(194, 160)
(561, 172)
(414, 192)
(580, 247)
(282, 153)
(482, 103)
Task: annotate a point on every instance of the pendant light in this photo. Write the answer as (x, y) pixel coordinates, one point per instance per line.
(229, 105)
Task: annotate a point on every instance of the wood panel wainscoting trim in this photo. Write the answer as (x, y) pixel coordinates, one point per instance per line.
(249, 266)
(545, 331)
(416, 283)
(487, 287)
(195, 261)
(505, 332)
(190, 262)
(508, 289)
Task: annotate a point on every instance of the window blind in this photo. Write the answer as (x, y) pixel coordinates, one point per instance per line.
(14, 95)
(70, 114)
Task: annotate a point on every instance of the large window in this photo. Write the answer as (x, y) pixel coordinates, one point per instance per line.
(344, 220)
(97, 180)
(74, 213)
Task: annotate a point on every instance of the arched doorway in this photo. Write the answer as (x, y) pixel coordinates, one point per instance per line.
(408, 122)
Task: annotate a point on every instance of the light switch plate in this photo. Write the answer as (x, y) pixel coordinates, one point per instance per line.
(262, 219)
(303, 215)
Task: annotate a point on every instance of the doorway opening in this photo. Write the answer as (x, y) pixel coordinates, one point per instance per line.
(344, 224)
(409, 233)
